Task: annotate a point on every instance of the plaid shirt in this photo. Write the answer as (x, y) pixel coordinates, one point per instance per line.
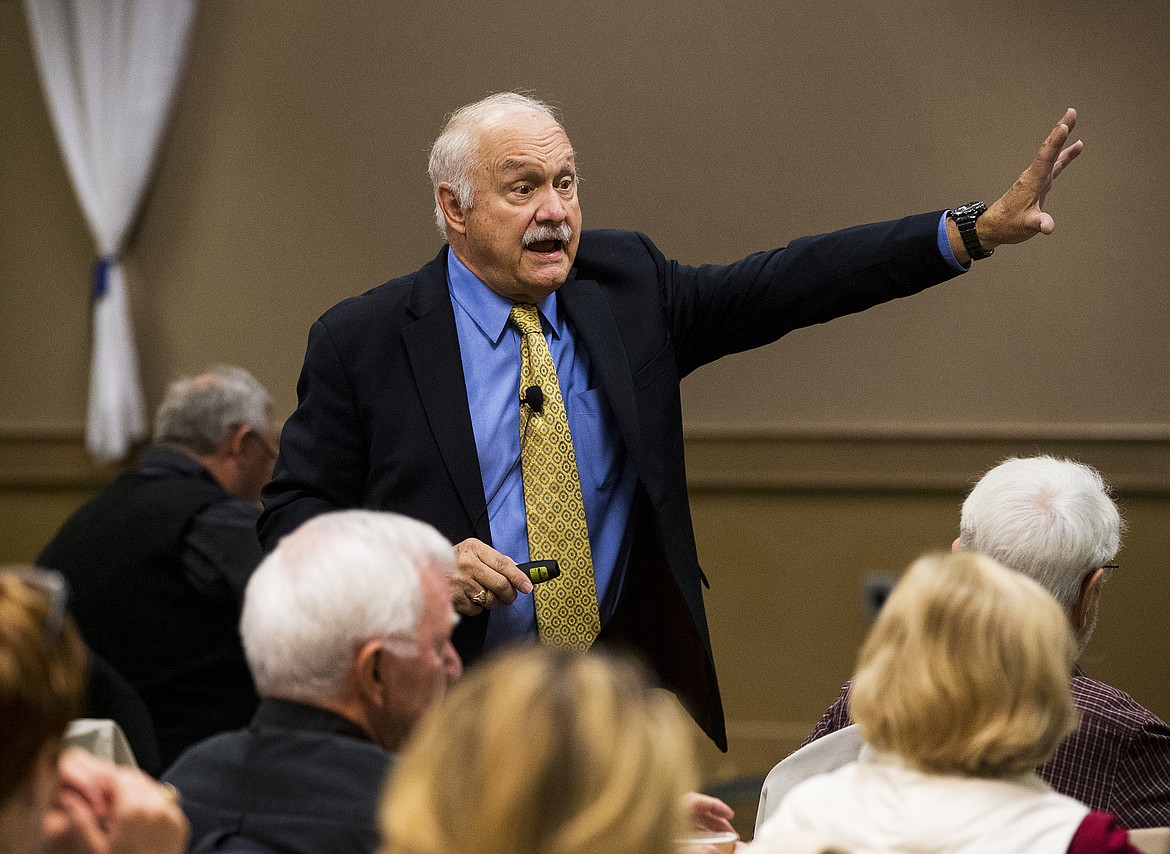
(1117, 761)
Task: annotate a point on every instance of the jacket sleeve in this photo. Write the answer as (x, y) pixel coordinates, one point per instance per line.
(715, 310)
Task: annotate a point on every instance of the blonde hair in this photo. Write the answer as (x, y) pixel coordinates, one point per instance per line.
(966, 670)
(41, 677)
(543, 750)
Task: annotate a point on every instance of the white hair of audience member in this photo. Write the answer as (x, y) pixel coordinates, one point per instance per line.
(339, 580)
(1050, 519)
(455, 154)
(199, 412)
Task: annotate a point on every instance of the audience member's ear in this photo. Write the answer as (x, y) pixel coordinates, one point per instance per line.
(1082, 611)
(233, 445)
(369, 666)
(955, 545)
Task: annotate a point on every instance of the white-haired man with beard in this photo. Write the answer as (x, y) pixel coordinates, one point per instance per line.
(1054, 521)
(347, 629)
(521, 391)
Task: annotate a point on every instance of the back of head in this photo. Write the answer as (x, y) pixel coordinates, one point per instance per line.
(966, 670)
(543, 750)
(42, 673)
(334, 583)
(455, 154)
(198, 413)
(1049, 518)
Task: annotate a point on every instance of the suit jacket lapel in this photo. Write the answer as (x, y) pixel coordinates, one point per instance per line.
(432, 346)
(596, 328)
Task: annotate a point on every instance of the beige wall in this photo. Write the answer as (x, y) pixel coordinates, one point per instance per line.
(293, 176)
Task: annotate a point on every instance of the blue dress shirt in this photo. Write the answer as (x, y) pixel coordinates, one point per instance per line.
(490, 348)
(944, 247)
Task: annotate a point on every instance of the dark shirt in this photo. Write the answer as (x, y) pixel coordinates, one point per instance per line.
(221, 547)
(157, 563)
(1117, 761)
(298, 780)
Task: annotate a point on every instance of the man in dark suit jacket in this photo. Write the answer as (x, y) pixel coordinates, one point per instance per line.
(398, 395)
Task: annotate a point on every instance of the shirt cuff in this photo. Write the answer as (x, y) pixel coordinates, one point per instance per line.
(944, 247)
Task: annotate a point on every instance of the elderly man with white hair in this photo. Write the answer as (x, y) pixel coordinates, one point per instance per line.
(347, 629)
(1054, 521)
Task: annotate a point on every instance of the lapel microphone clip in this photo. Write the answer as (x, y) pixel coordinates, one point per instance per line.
(533, 397)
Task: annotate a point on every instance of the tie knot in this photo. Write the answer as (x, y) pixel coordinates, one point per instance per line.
(526, 318)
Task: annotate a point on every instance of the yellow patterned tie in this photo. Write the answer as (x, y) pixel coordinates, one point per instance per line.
(566, 607)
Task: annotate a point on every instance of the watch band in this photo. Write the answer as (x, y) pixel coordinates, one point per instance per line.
(964, 217)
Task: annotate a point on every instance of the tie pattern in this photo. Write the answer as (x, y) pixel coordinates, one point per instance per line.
(566, 607)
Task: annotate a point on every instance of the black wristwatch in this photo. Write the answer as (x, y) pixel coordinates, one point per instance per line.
(964, 218)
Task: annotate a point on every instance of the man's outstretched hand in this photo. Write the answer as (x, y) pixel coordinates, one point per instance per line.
(1019, 213)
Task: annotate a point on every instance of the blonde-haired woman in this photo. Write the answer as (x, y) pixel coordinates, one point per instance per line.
(962, 689)
(544, 751)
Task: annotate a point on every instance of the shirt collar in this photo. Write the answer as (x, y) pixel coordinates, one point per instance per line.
(289, 714)
(487, 309)
(171, 460)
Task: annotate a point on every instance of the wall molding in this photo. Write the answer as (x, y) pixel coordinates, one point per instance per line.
(49, 457)
(1135, 458)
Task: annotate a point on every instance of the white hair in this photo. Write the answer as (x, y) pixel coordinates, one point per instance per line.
(455, 154)
(198, 413)
(337, 581)
(1050, 519)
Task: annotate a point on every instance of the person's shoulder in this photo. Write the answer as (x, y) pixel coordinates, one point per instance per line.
(599, 243)
(212, 758)
(230, 511)
(609, 254)
(1105, 707)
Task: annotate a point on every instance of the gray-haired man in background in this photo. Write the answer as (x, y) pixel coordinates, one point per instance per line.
(158, 561)
(1054, 521)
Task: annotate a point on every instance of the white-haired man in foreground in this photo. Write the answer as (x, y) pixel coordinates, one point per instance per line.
(347, 630)
(1054, 521)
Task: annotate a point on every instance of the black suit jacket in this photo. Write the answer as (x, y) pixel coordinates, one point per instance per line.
(383, 420)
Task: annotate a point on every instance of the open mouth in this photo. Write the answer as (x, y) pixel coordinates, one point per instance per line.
(545, 247)
(548, 241)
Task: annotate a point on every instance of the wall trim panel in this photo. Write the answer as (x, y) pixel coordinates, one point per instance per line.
(1135, 459)
(49, 457)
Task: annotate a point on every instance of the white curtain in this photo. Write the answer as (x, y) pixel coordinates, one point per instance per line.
(109, 70)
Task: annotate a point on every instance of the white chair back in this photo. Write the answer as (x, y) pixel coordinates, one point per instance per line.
(825, 754)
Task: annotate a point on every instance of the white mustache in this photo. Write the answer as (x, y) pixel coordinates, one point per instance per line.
(538, 233)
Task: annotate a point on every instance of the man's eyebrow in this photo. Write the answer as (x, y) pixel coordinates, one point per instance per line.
(513, 164)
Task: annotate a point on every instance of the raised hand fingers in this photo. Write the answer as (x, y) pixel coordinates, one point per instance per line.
(1066, 157)
(1019, 213)
(1041, 169)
